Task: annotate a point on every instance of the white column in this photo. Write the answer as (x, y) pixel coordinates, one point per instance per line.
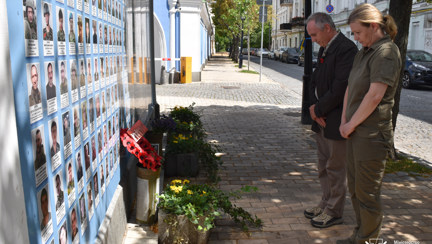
(190, 27)
(172, 34)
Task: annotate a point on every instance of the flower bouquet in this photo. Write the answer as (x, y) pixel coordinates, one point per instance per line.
(187, 211)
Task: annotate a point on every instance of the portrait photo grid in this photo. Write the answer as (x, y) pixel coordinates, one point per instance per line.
(75, 63)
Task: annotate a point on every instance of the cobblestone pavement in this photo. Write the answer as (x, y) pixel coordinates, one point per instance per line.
(257, 125)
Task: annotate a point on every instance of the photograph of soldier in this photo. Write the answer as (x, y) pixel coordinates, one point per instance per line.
(89, 197)
(84, 115)
(106, 34)
(89, 73)
(80, 30)
(71, 28)
(35, 94)
(100, 34)
(61, 36)
(93, 148)
(45, 218)
(109, 7)
(91, 110)
(103, 102)
(83, 213)
(74, 75)
(105, 136)
(96, 67)
(74, 220)
(38, 145)
(87, 30)
(47, 30)
(102, 177)
(100, 4)
(66, 128)
(82, 74)
(78, 164)
(70, 178)
(96, 185)
(55, 146)
(102, 68)
(94, 25)
(50, 87)
(98, 104)
(99, 141)
(104, 5)
(63, 78)
(110, 35)
(62, 234)
(30, 26)
(107, 73)
(76, 122)
(59, 191)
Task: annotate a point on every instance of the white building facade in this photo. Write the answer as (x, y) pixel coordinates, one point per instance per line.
(286, 32)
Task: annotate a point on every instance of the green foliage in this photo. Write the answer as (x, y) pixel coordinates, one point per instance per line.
(405, 164)
(185, 114)
(202, 201)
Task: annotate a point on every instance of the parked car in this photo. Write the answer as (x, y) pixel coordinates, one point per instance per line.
(253, 50)
(290, 55)
(418, 69)
(278, 52)
(271, 55)
(245, 51)
(263, 51)
(301, 58)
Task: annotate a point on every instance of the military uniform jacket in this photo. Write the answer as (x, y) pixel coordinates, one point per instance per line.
(61, 37)
(30, 29)
(35, 97)
(47, 35)
(329, 82)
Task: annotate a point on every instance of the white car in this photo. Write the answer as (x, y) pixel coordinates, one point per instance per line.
(263, 51)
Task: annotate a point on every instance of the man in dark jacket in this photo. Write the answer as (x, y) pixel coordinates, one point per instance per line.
(329, 81)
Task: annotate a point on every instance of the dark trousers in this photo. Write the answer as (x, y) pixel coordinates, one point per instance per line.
(332, 174)
(366, 158)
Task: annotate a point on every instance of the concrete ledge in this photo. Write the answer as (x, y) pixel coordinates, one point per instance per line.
(196, 76)
(114, 224)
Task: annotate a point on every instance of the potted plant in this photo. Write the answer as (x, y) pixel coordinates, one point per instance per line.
(181, 156)
(188, 121)
(160, 126)
(186, 212)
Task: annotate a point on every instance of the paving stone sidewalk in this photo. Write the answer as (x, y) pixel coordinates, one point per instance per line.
(257, 125)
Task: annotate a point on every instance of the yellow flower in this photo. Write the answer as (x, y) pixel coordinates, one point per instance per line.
(186, 182)
(189, 192)
(204, 192)
(175, 141)
(173, 182)
(176, 189)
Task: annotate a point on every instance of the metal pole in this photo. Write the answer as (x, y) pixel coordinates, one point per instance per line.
(305, 116)
(241, 45)
(262, 38)
(152, 63)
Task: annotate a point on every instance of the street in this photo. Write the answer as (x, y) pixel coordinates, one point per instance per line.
(414, 122)
(415, 103)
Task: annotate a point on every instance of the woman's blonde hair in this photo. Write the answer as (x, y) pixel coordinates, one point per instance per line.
(366, 14)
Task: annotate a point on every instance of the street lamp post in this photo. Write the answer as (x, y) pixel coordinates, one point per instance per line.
(241, 45)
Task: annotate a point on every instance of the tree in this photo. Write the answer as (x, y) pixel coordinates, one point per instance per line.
(228, 23)
(400, 10)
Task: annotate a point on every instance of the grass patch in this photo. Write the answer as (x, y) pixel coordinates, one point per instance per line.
(249, 71)
(236, 65)
(407, 165)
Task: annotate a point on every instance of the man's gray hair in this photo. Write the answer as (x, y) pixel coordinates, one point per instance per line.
(321, 19)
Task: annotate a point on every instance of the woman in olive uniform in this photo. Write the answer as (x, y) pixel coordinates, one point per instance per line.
(367, 113)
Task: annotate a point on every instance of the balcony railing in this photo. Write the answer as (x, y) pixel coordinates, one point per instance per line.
(297, 21)
(285, 26)
(286, 3)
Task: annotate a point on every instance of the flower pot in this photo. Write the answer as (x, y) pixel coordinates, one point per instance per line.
(187, 164)
(148, 183)
(183, 164)
(179, 229)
